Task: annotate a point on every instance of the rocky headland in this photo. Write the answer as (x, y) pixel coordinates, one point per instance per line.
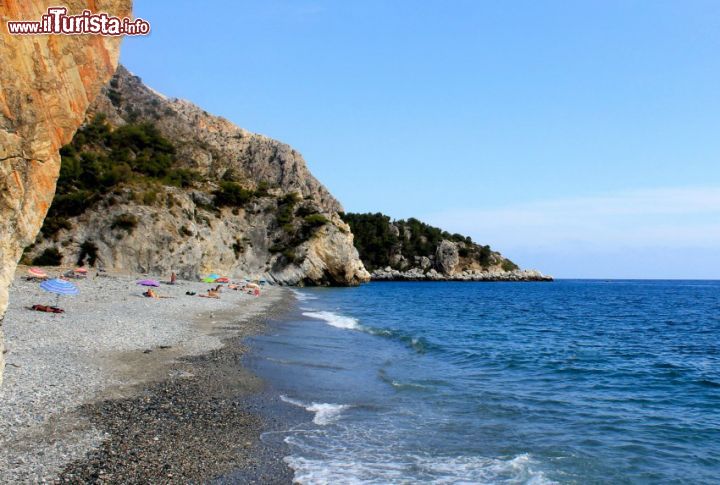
(410, 250)
(153, 184)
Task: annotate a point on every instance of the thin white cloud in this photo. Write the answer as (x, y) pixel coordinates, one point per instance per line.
(649, 218)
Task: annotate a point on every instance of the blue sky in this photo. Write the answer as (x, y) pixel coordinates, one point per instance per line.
(579, 138)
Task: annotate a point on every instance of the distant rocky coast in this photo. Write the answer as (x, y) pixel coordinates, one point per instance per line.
(417, 274)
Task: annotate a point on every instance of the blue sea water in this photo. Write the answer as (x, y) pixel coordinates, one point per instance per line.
(565, 382)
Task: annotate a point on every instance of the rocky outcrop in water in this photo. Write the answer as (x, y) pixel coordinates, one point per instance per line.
(153, 184)
(410, 250)
(447, 257)
(417, 274)
(46, 85)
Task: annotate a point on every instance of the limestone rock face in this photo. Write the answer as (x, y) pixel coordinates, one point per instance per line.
(210, 144)
(329, 257)
(447, 257)
(46, 85)
(333, 253)
(183, 229)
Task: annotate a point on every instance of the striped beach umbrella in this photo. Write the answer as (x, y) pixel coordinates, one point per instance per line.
(37, 272)
(59, 287)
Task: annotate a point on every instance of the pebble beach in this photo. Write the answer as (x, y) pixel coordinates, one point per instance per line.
(122, 387)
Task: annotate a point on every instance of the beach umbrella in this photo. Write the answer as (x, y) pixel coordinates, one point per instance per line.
(37, 272)
(59, 287)
(214, 276)
(81, 270)
(208, 280)
(222, 280)
(149, 283)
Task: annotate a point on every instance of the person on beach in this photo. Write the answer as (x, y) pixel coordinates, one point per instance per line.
(173, 278)
(211, 294)
(47, 309)
(151, 294)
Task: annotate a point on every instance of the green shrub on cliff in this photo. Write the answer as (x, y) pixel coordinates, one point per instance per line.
(99, 159)
(422, 239)
(373, 238)
(53, 224)
(126, 222)
(88, 253)
(315, 220)
(286, 208)
(232, 194)
(181, 177)
(49, 257)
(483, 254)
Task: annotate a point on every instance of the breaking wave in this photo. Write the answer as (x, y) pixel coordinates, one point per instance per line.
(325, 413)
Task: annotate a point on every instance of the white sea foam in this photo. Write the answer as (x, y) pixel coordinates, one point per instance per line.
(303, 296)
(339, 321)
(406, 385)
(437, 470)
(325, 413)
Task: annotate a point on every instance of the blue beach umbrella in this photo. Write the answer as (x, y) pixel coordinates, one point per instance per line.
(59, 287)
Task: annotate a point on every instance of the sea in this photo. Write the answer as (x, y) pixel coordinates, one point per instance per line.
(574, 381)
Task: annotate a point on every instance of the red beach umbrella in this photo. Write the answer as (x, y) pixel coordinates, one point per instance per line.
(37, 272)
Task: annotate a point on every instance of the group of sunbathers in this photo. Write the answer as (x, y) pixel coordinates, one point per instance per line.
(249, 288)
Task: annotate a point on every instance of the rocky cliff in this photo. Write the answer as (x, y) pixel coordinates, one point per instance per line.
(46, 84)
(412, 250)
(153, 184)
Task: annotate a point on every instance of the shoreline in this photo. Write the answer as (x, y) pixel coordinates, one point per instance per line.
(124, 388)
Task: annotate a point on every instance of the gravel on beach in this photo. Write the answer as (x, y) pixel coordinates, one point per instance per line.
(123, 388)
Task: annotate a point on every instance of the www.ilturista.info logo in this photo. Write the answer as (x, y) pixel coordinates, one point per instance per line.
(57, 21)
